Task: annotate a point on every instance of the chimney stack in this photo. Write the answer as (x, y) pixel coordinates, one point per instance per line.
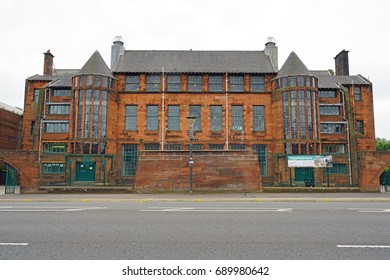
(272, 51)
(342, 63)
(48, 63)
(117, 49)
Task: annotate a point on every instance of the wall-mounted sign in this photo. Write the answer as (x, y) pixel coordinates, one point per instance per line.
(310, 161)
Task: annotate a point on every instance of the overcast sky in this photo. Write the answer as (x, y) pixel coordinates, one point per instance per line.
(316, 30)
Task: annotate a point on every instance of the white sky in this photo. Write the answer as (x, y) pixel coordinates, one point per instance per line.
(316, 30)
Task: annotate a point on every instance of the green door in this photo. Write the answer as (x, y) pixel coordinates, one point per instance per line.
(85, 171)
(302, 174)
(11, 179)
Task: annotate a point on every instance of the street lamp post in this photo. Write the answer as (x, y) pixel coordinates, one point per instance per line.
(191, 121)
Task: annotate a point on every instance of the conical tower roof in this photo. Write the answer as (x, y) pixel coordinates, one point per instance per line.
(293, 67)
(96, 65)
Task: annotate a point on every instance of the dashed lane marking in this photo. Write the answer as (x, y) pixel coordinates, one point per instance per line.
(47, 209)
(208, 209)
(365, 246)
(14, 244)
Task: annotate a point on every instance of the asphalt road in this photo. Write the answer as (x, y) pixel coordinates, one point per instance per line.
(195, 230)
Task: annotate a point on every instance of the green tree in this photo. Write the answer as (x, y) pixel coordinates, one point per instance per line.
(382, 144)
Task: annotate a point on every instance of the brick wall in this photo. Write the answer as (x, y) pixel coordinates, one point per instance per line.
(10, 127)
(28, 173)
(373, 163)
(216, 170)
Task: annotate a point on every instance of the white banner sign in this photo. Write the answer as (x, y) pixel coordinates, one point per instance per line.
(310, 161)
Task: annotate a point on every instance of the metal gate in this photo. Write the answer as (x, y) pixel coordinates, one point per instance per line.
(385, 181)
(11, 179)
(85, 171)
(302, 174)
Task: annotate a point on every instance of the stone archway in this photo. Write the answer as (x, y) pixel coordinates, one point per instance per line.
(26, 165)
(373, 163)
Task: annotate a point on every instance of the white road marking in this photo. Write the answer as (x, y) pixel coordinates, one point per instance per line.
(47, 209)
(13, 244)
(206, 209)
(364, 246)
(370, 210)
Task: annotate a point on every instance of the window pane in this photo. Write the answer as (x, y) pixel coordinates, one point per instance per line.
(195, 111)
(129, 159)
(173, 117)
(194, 83)
(262, 157)
(131, 117)
(216, 146)
(215, 118)
(152, 117)
(132, 83)
(258, 118)
(152, 82)
(257, 83)
(236, 83)
(237, 118)
(174, 82)
(215, 83)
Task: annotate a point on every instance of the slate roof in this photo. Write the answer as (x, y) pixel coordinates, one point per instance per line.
(326, 80)
(293, 67)
(12, 109)
(194, 62)
(96, 65)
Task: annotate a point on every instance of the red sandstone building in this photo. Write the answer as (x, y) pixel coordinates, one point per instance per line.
(126, 125)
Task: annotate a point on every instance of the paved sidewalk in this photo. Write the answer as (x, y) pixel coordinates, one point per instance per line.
(213, 197)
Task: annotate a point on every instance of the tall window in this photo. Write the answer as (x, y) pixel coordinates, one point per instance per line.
(87, 119)
(215, 118)
(257, 83)
(293, 81)
(236, 83)
(258, 118)
(359, 127)
(302, 113)
(36, 95)
(237, 118)
(301, 81)
(129, 159)
(262, 157)
(174, 82)
(131, 117)
(152, 82)
(103, 128)
(215, 83)
(132, 82)
(294, 117)
(194, 83)
(195, 111)
(357, 92)
(151, 117)
(173, 117)
(286, 120)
